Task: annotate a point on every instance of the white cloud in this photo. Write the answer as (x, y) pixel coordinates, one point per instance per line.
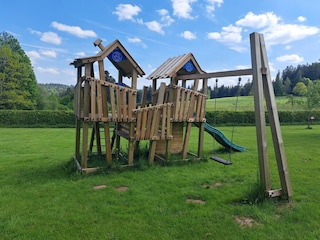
(137, 41)
(157, 26)
(292, 58)
(188, 35)
(47, 70)
(252, 20)
(286, 33)
(49, 53)
(74, 30)
(80, 54)
(51, 37)
(229, 34)
(182, 8)
(127, 11)
(272, 26)
(166, 20)
(302, 19)
(211, 6)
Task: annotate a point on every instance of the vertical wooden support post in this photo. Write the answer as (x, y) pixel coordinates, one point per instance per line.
(260, 112)
(131, 146)
(201, 129)
(78, 106)
(274, 123)
(85, 133)
(117, 124)
(103, 112)
(186, 140)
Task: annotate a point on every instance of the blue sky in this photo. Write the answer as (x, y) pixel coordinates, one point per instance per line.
(55, 32)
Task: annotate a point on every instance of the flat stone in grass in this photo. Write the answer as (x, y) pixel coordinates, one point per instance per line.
(245, 221)
(191, 200)
(122, 188)
(97, 187)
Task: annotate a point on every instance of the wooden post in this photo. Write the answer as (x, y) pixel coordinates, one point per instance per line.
(201, 128)
(260, 112)
(262, 85)
(274, 123)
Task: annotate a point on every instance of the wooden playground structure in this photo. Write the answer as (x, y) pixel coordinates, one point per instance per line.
(112, 113)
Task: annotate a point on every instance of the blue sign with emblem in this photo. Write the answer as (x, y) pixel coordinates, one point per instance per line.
(117, 56)
(189, 66)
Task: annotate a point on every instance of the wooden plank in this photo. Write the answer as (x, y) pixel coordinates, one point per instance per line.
(86, 100)
(177, 104)
(139, 125)
(102, 95)
(232, 73)
(186, 141)
(93, 99)
(275, 124)
(119, 97)
(107, 143)
(149, 113)
(144, 96)
(84, 157)
(163, 122)
(182, 102)
(260, 112)
(131, 144)
(112, 102)
(154, 123)
(186, 107)
(144, 124)
(191, 107)
(78, 135)
(152, 151)
(124, 105)
(200, 140)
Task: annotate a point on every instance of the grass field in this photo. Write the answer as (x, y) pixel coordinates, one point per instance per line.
(246, 103)
(42, 198)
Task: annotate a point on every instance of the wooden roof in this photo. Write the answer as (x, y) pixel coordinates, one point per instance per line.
(117, 55)
(181, 65)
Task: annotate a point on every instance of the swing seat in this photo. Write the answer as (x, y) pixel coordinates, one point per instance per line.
(220, 160)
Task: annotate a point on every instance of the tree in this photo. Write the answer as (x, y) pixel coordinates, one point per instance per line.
(278, 86)
(18, 85)
(300, 89)
(312, 98)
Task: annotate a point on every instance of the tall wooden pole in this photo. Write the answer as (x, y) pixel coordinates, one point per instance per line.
(263, 89)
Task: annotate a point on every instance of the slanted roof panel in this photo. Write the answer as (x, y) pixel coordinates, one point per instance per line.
(117, 55)
(176, 66)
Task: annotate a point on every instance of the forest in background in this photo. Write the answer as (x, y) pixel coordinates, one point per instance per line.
(19, 89)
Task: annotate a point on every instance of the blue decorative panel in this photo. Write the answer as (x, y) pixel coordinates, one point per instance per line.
(117, 56)
(189, 66)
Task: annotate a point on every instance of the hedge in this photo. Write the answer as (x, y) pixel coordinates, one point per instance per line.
(42, 118)
(36, 118)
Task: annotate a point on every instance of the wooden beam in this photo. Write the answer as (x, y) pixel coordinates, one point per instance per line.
(260, 119)
(231, 73)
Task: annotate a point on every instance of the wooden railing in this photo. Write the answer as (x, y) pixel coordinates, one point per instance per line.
(153, 123)
(189, 105)
(102, 101)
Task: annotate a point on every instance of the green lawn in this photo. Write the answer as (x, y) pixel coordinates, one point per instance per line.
(246, 103)
(41, 198)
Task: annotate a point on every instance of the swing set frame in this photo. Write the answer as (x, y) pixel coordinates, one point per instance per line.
(263, 90)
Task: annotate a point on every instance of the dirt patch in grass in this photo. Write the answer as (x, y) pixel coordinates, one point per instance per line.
(191, 200)
(213, 185)
(245, 221)
(97, 187)
(122, 188)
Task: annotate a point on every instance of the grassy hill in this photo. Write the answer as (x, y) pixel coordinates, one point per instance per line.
(246, 103)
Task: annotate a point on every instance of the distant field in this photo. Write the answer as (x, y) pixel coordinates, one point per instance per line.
(246, 103)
